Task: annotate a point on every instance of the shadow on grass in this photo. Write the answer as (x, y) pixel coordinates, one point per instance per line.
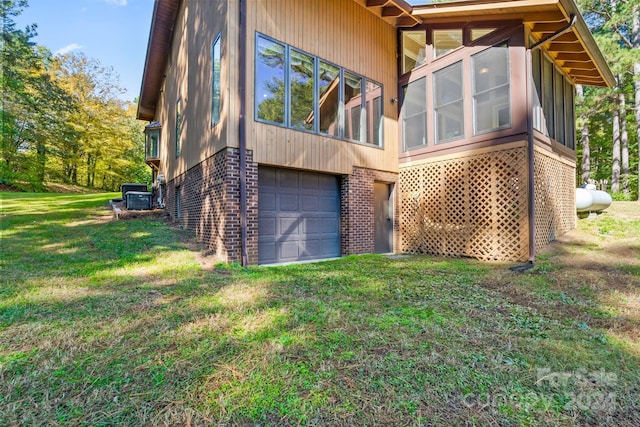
(114, 323)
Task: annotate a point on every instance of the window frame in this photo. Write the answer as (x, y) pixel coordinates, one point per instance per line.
(216, 80)
(474, 94)
(436, 106)
(340, 134)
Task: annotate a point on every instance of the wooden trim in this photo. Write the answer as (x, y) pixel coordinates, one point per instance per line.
(467, 152)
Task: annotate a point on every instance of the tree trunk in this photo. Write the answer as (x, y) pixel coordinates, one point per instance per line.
(42, 159)
(635, 37)
(615, 157)
(624, 143)
(584, 139)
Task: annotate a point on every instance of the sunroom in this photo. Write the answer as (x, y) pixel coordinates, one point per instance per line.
(487, 160)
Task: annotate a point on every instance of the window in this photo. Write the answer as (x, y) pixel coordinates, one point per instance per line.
(547, 87)
(270, 74)
(569, 100)
(373, 97)
(444, 41)
(353, 105)
(414, 45)
(301, 78)
(538, 117)
(215, 81)
(303, 92)
(448, 103)
(329, 90)
(491, 98)
(178, 126)
(414, 114)
(477, 33)
(559, 106)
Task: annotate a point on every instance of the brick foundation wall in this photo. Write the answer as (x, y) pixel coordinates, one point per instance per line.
(357, 222)
(210, 204)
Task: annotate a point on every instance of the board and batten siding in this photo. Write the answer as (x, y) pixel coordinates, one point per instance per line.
(339, 31)
(188, 77)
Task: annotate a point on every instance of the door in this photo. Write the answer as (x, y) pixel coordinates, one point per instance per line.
(298, 215)
(383, 216)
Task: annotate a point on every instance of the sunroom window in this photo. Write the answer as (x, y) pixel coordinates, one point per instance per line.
(414, 45)
(414, 114)
(448, 103)
(444, 41)
(491, 98)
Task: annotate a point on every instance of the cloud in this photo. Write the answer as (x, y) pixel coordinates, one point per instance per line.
(117, 2)
(68, 48)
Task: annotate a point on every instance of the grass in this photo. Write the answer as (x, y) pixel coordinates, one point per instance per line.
(107, 322)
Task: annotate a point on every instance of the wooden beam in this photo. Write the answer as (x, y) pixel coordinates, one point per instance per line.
(569, 37)
(578, 57)
(575, 65)
(566, 47)
(406, 21)
(376, 3)
(391, 11)
(548, 27)
(586, 73)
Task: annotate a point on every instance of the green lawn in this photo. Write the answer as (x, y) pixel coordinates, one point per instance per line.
(107, 322)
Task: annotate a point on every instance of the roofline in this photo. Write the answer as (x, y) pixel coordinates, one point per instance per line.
(163, 19)
(587, 38)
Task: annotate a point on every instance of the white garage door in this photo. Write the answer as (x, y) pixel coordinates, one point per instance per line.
(298, 215)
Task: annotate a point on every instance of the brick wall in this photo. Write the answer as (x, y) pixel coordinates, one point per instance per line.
(357, 220)
(210, 204)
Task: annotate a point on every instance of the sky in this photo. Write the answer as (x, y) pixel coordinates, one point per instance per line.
(115, 32)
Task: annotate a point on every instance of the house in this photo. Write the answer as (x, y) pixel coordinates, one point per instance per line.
(292, 130)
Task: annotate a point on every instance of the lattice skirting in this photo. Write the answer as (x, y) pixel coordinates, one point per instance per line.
(472, 205)
(555, 209)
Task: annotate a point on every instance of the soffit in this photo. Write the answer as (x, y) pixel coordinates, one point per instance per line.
(575, 51)
(395, 12)
(160, 35)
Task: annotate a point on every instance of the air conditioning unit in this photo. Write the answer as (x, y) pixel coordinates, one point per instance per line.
(139, 200)
(132, 187)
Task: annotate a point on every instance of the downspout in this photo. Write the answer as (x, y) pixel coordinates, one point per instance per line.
(530, 151)
(242, 51)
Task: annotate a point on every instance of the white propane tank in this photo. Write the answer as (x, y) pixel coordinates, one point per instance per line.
(588, 200)
(601, 200)
(583, 200)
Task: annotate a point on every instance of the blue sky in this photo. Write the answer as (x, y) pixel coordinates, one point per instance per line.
(115, 32)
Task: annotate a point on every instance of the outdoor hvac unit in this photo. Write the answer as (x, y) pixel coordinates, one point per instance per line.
(139, 200)
(132, 187)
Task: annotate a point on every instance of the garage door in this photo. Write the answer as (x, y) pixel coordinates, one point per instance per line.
(298, 216)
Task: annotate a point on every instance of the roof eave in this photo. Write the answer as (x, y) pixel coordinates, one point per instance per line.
(163, 19)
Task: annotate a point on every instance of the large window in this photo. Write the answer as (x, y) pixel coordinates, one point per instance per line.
(553, 101)
(448, 103)
(491, 98)
(270, 84)
(373, 96)
(414, 114)
(303, 92)
(215, 81)
(329, 104)
(536, 71)
(301, 77)
(547, 83)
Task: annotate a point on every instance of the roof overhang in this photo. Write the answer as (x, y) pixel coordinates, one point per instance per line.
(396, 12)
(163, 19)
(575, 51)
